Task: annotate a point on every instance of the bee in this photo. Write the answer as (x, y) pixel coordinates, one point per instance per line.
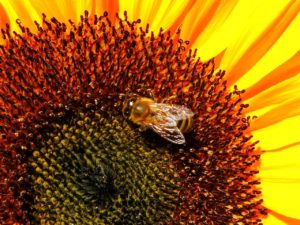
(167, 120)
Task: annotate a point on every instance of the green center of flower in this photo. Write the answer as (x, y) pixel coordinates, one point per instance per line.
(96, 168)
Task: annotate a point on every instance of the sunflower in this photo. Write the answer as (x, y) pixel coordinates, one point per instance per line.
(68, 155)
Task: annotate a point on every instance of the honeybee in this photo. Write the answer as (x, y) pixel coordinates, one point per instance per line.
(167, 120)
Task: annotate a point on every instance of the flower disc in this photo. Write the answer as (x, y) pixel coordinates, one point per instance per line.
(68, 156)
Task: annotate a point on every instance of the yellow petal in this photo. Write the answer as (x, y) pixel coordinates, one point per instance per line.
(167, 14)
(277, 219)
(281, 81)
(61, 10)
(279, 135)
(286, 110)
(3, 17)
(277, 95)
(205, 27)
(204, 19)
(250, 47)
(280, 180)
(99, 7)
(14, 10)
(279, 63)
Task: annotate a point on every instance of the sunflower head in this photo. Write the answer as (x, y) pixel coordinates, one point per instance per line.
(68, 154)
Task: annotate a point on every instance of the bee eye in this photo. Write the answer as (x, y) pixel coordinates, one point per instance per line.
(126, 111)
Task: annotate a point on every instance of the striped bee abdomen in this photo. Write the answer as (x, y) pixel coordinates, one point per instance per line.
(185, 125)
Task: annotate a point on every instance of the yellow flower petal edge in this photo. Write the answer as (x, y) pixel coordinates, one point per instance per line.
(264, 42)
(276, 94)
(282, 199)
(279, 135)
(166, 14)
(201, 23)
(281, 182)
(281, 165)
(278, 58)
(15, 10)
(286, 110)
(4, 19)
(278, 219)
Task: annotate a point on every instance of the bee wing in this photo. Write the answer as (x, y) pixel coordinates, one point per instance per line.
(177, 112)
(170, 133)
(164, 123)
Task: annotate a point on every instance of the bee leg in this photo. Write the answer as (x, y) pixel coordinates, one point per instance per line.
(139, 88)
(142, 129)
(147, 92)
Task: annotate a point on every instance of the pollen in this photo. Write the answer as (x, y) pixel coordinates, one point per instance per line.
(68, 155)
